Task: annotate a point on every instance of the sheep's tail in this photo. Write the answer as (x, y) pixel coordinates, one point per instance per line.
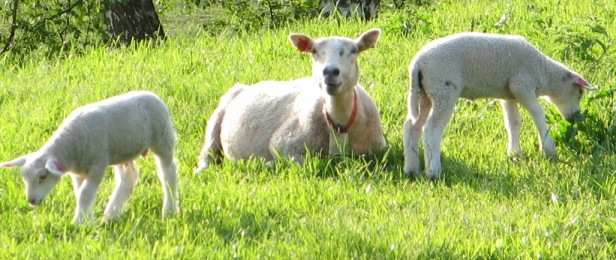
(415, 90)
(212, 148)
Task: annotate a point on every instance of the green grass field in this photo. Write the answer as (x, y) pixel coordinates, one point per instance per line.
(485, 205)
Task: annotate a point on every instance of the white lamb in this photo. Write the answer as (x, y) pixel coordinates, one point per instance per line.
(115, 132)
(477, 65)
(325, 113)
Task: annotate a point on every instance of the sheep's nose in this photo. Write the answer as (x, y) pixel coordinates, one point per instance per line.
(331, 71)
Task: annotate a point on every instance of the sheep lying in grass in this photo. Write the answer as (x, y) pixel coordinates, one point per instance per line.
(476, 65)
(327, 112)
(115, 132)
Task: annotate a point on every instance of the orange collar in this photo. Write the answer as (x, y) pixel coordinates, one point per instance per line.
(339, 128)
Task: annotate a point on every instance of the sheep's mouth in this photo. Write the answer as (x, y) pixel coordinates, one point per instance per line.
(331, 87)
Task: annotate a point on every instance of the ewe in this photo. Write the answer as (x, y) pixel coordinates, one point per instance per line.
(324, 113)
(476, 65)
(114, 131)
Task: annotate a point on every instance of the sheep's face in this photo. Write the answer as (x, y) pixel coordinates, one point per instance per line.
(567, 99)
(334, 59)
(40, 175)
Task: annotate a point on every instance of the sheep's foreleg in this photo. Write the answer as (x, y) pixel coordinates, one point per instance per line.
(87, 195)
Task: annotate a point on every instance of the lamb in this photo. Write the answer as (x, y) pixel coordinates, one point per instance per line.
(329, 112)
(477, 65)
(115, 132)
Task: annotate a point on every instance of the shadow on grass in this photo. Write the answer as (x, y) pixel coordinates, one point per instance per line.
(499, 182)
(240, 224)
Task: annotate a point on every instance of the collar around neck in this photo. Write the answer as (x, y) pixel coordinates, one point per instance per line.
(339, 128)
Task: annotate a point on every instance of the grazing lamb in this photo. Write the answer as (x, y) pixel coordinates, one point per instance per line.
(477, 65)
(115, 132)
(327, 112)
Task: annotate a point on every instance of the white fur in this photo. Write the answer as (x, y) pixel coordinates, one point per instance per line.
(286, 118)
(114, 131)
(476, 65)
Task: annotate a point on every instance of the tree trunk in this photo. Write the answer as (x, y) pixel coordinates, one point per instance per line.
(366, 9)
(129, 20)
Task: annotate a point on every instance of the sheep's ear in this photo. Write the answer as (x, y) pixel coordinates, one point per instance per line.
(583, 84)
(15, 163)
(55, 167)
(368, 39)
(580, 82)
(302, 42)
(590, 88)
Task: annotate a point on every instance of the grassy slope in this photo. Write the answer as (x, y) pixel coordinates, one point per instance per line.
(485, 205)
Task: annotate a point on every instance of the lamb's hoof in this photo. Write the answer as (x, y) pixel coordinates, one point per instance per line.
(201, 167)
(433, 175)
(516, 156)
(109, 217)
(170, 212)
(84, 221)
(413, 174)
(552, 157)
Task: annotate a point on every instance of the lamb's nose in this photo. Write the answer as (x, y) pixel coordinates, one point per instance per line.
(33, 202)
(576, 117)
(331, 71)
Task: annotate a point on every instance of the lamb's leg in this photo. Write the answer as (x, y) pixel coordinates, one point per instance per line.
(512, 123)
(528, 100)
(411, 134)
(442, 110)
(167, 174)
(126, 176)
(77, 182)
(87, 194)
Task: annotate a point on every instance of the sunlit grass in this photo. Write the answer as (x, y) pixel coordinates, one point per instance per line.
(485, 205)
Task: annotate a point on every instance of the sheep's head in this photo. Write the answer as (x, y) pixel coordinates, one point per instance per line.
(567, 98)
(40, 174)
(334, 59)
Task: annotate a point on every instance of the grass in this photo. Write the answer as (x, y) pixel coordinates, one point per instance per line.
(485, 206)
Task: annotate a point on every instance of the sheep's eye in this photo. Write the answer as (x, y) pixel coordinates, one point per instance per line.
(341, 53)
(43, 177)
(354, 51)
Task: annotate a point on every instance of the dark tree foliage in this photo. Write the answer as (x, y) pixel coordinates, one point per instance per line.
(366, 9)
(50, 26)
(130, 20)
(13, 27)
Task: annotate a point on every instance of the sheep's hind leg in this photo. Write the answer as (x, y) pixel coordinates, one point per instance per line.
(513, 123)
(167, 174)
(442, 110)
(126, 176)
(411, 135)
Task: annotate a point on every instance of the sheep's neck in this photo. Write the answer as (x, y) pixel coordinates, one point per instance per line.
(554, 71)
(341, 109)
(61, 146)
